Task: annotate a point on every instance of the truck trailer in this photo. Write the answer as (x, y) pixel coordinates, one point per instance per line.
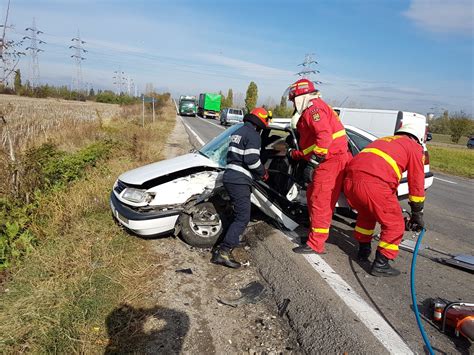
(209, 105)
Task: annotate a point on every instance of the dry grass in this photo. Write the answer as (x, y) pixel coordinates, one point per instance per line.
(84, 266)
(34, 121)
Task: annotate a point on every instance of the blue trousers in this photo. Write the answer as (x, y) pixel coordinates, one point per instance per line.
(240, 198)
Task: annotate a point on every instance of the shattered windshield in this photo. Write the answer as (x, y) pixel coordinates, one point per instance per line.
(216, 149)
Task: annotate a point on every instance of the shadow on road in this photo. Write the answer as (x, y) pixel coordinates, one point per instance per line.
(146, 330)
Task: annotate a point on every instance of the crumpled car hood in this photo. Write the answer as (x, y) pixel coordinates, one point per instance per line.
(148, 172)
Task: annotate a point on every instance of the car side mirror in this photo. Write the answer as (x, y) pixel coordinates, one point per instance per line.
(429, 137)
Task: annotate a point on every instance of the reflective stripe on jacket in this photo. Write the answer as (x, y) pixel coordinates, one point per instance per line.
(388, 158)
(243, 156)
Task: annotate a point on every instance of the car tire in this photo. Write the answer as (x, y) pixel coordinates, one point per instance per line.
(202, 235)
(469, 146)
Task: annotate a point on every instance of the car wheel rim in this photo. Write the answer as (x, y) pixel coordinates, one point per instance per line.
(203, 226)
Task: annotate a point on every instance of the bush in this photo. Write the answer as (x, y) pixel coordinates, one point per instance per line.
(459, 125)
(43, 169)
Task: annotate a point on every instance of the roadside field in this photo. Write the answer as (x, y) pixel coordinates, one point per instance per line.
(446, 139)
(455, 161)
(78, 267)
(31, 121)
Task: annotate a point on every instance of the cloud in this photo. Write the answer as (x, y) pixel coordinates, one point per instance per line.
(246, 68)
(442, 16)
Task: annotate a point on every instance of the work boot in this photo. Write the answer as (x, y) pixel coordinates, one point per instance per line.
(305, 249)
(381, 267)
(224, 257)
(364, 252)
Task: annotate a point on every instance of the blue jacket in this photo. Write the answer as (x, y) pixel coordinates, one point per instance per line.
(243, 156)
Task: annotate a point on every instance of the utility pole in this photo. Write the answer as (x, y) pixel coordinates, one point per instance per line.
(9, 54)
(79, 51)
(153, 104)
(119, 80)
(308, 68)
(34, 72)
(143, 110)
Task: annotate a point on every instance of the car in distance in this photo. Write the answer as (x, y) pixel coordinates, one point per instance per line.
(231, 116)
(470, 143)
(185, 195)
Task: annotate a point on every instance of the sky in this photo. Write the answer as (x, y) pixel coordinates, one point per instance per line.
(413, 55)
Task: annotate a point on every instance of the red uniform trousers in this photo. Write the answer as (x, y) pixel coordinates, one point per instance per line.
(375, 201)
(322, 195)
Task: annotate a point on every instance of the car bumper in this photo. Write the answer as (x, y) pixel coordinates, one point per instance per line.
(403, 187)
(143, 223)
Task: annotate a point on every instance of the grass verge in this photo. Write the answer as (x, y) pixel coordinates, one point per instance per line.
(83, 268)
(453, 161)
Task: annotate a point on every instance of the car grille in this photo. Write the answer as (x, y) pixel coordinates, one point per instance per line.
(120, 187)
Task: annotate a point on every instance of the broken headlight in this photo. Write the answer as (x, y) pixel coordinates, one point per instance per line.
(136, 195)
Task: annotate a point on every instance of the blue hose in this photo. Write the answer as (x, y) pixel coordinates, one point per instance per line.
(413, 293)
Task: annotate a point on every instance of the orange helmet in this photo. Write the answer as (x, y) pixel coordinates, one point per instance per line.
(301, 87)
(258, 116)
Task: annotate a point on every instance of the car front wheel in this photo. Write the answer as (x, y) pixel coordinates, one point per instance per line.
(202, 225)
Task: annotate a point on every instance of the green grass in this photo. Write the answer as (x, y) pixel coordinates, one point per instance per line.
(446, 138)
(82, 268)
(455, 161)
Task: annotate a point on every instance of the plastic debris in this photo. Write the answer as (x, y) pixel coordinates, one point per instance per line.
(252, 293)
(185, 271)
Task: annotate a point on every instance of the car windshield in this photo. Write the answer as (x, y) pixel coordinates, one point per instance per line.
(187, 103)
(216, 149)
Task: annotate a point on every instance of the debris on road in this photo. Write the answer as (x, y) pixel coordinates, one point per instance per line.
(283, 307)
(185, 271)
(252, 293)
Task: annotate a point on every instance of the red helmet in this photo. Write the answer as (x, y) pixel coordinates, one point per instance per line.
(301, 87)
(258, 116)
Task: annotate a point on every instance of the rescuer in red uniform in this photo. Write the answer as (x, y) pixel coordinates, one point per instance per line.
(323, 144)
(370, 186)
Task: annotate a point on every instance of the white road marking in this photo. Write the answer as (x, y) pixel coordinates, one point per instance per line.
(193, 132)
(371, 319)
(212, 123)
(449, 182)
(384, 333)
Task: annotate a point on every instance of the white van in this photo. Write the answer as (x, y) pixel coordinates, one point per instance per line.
(380, 123)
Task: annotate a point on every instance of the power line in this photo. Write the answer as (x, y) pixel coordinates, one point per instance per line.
(79, 51)
(308, 67)
(34, 72)
(9, 52)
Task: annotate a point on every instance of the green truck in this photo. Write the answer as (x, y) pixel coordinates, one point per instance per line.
(209, 105)
(187, 106)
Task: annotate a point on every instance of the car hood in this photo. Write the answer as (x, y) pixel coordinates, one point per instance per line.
(151, 171)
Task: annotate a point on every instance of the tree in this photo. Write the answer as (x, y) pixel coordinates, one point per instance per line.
(17, 82)
(230, 98)
(223, 100)
(251, 97)
(459, 125)
(91, 92)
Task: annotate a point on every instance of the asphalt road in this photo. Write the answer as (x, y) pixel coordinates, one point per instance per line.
(449, 217)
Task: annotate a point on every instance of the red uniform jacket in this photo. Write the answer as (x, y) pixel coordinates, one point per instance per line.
(321, 132)
(388, 158)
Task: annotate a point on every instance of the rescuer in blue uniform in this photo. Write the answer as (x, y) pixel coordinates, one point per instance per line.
(243, 165)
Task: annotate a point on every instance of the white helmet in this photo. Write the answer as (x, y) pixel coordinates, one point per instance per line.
(411, 123)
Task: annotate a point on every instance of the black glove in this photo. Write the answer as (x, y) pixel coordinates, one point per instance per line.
(416, 223)
(308, 174)
(313, 164)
